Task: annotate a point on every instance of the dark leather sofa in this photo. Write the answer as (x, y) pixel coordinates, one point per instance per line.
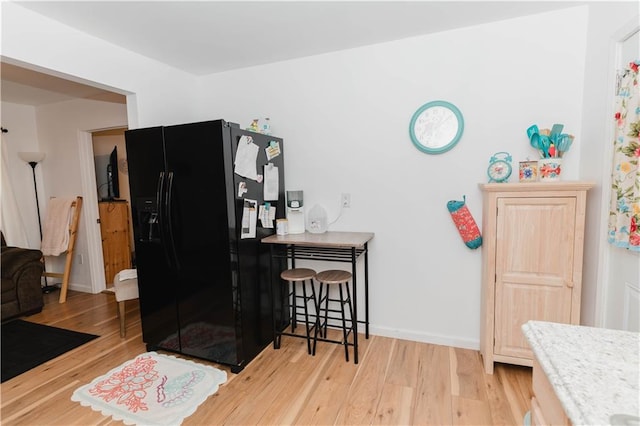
(20, 271)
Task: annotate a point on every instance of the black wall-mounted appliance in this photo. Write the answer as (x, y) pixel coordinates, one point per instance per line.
(113, 182)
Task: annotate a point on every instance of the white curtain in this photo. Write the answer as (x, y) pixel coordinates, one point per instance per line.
(10, 219)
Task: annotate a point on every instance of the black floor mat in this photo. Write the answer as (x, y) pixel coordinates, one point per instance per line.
(26, 345)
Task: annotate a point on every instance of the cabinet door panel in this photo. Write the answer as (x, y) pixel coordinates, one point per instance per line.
(534, 267)
(114, 228)
(521, 302)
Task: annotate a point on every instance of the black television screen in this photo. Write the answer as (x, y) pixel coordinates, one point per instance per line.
(112, 175)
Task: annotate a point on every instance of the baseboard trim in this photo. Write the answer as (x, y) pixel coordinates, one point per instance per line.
(422, 337)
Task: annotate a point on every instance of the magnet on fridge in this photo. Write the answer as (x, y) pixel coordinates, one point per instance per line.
(272, 150)
(242, 189)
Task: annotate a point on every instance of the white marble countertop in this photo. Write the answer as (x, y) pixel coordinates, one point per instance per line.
(595, 372)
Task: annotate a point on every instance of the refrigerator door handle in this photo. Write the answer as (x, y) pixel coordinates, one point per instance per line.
(159, 193)
(169, 205)
(160, 202)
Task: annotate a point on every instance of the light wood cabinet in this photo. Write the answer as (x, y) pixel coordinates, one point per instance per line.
(533, 235)
(116, 244)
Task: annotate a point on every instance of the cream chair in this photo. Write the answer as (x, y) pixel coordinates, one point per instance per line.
(125, 289)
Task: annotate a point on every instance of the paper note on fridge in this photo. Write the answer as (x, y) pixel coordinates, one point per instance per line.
(246, 155)
(271, 180)
(267, 215)
(249, 219)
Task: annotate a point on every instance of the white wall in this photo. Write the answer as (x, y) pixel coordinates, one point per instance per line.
(158, 93)
(20, 120)
(623, 296)
(344, 117)
(53, 129)
(58, 126)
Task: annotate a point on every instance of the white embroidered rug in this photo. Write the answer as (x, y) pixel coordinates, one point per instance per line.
(152, 389)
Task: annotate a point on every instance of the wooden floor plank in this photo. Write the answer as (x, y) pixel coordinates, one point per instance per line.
(432, 405)
(324, 404)
(364, 394)
(402, 366)
(332, 388)
(467, 379)
(499, 398)
(516, 383)
(395, 405)
(395, 382)
(229, 404)
(472, 412)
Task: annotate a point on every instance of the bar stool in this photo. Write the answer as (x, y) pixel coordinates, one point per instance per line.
(328, 279)
(290, 299)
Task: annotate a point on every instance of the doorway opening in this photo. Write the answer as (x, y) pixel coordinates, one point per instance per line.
(114, 201)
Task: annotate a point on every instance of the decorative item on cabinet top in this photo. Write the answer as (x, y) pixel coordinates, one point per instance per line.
(499, 169)
(528, 171)
(260, 125)
(551, 145)
(549, 169)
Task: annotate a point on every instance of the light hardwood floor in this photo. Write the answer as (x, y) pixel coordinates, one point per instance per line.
(397, 382)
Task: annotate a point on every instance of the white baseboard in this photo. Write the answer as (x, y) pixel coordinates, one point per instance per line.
(418, 336)
(81, 288)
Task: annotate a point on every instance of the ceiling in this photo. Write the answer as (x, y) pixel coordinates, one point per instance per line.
(204, 37)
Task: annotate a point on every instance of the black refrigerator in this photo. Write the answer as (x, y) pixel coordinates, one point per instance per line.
(204, 277)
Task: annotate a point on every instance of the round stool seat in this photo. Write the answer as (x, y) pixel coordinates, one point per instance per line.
(298, 274)
(333, 276)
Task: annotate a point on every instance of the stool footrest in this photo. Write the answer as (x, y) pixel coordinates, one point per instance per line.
(340, 342)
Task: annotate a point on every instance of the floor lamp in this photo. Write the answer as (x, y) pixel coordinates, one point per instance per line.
(32, 159)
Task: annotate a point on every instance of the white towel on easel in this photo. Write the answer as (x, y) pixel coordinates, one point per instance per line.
(55, 234)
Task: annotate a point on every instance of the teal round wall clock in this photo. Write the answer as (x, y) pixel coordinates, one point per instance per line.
(436, 127)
